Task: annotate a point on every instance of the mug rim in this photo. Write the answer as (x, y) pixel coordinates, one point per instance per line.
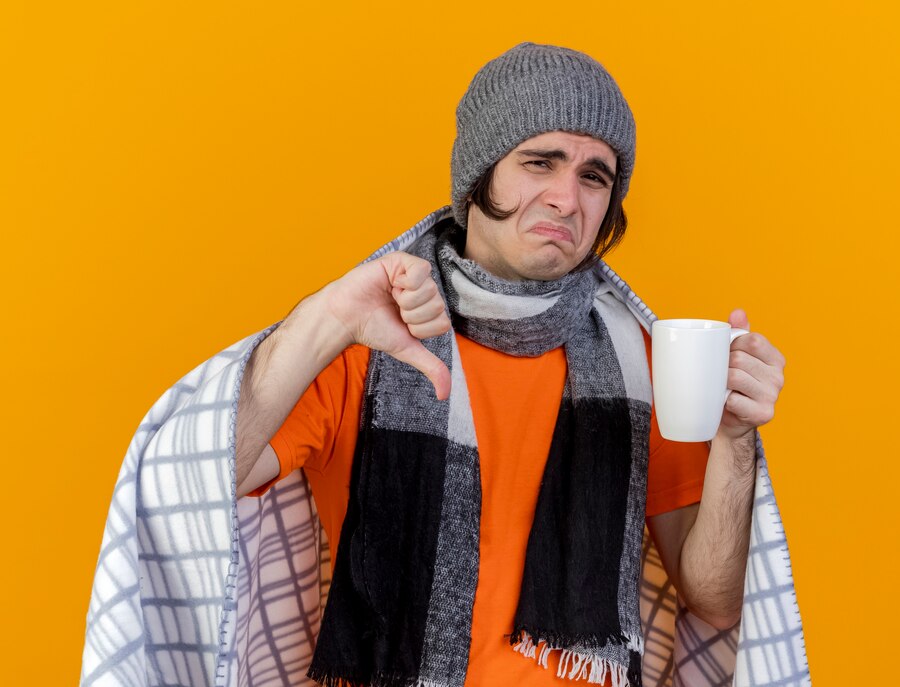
(692, 324)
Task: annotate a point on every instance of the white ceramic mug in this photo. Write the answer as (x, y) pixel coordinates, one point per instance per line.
(690, 374)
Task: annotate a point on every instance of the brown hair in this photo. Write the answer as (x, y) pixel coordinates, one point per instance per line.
(612, 228)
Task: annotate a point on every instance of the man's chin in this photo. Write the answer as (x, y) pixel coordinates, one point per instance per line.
(549, 270)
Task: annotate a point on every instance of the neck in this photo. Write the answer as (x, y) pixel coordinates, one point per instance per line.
(520, 317)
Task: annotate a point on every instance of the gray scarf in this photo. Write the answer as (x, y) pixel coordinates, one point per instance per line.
(400, 608)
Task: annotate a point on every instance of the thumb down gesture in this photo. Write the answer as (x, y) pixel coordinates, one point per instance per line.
(390, 304)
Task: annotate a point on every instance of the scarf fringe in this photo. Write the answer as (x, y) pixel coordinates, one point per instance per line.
(632, 642)
(578, 665)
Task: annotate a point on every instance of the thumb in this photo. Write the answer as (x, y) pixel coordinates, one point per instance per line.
(738, 318)
(426, 362)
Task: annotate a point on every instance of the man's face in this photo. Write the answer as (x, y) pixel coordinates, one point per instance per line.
(561, 184)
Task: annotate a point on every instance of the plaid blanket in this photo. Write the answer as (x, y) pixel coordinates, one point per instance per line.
(194, 587)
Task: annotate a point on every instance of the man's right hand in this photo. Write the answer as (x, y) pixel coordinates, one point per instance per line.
(389, 304)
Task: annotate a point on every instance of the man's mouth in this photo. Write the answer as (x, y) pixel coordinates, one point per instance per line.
(553, 231)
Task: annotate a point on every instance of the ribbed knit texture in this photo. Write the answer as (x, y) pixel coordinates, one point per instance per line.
(529, 90)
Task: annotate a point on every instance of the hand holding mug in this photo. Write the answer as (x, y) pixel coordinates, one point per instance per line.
(755, 377)
(713, 377)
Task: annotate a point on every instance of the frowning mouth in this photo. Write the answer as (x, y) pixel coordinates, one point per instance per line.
(553, 231)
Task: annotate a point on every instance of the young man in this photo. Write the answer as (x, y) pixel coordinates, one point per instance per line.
(502, 501)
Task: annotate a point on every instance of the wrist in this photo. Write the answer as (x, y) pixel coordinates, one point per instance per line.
(736, 435)
(313, 317)
(740, 447)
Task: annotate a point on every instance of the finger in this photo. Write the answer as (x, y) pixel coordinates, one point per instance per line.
(744, 383)
(415, 354)
(408, 299)
(749, 412)
(436, 327)
(770, 376)
(424, 313)
(752, 365)
(408, 271)
(759, 347)
(738, 318)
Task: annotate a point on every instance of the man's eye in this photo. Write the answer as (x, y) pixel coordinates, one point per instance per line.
(538, 163)
(596, 178)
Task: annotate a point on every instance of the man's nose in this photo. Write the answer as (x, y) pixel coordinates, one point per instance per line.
(562, 193)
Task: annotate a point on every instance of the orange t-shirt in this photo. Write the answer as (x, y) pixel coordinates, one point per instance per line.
(514, 406)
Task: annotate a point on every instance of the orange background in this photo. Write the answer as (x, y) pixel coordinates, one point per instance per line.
(175, 177)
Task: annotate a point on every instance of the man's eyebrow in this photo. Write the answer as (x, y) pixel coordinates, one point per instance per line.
(556, 154)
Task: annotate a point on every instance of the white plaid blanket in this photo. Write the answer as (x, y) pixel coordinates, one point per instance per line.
(194, 587)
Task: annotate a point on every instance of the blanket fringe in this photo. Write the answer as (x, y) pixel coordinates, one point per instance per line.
(576, 665)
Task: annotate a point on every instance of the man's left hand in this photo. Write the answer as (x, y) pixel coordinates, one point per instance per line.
(704, 546)
(755, 376)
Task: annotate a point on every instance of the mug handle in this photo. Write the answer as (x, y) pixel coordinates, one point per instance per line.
(735, 333)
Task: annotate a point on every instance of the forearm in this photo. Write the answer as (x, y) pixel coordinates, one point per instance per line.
(714, 557)
(278, 373)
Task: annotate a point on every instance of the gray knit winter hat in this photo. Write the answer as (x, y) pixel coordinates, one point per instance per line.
(529, 90)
